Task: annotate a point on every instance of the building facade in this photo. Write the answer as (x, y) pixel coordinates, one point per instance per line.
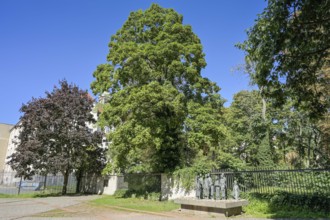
(5, 130)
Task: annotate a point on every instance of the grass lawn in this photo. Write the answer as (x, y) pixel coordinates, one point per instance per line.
(136, 204)
(262, 209)
(33, 194)
(24, 195)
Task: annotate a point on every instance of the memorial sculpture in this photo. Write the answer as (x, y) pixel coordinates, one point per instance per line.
(217, 187)
(211, 187)
(223, 186)
(199, 186)
(236, 191)
(207, 189)
(214, 190)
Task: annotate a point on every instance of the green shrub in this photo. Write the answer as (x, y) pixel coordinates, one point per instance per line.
(287, 205)
(316, 201)
(154, 196)
(124, 193)
(120, 193)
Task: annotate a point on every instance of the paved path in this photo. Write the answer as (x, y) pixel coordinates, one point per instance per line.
(19, 208)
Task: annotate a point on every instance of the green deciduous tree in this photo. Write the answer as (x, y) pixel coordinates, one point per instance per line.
(287, 53)
(153, 76)
(148, 127)
(249, 129)
(301, 141)
(54, 135)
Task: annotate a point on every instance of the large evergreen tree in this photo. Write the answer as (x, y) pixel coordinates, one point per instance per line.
(54, 135)
(153, 75)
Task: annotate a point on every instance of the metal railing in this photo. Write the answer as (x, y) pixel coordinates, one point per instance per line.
(265, 180)
(9, 184)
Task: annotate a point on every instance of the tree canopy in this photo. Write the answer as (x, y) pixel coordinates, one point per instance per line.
(55, 135)
(288, 53)
(153, 76)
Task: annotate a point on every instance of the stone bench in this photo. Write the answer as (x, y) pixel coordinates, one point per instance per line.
(207, 206)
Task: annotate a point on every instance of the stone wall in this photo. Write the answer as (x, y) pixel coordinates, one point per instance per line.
(170, 188)
(113, 183)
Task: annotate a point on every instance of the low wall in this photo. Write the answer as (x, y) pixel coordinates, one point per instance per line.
(113, 183)
(170, 188)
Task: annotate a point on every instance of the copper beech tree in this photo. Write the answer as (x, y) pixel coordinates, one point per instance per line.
(54, 135)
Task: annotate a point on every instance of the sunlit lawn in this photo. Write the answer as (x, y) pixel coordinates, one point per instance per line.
(136, 203)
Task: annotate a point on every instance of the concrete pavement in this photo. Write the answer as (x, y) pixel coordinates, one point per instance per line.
(20, 208)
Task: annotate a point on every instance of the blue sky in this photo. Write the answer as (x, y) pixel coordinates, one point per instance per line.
(42, 42)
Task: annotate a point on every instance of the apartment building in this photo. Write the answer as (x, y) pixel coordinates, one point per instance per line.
(5, 130)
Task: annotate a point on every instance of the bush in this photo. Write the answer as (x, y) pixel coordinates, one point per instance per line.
(120, 193)
(123, 193)
(315, 202)
(287, 205)
(154, 196)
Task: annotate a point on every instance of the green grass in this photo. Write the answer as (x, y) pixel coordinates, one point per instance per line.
(136, 204)
(24, 195)
(35, 195)
(260, 208)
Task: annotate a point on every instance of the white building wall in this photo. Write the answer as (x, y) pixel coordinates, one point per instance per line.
(4, 138)
(9, 173)
(11, 147)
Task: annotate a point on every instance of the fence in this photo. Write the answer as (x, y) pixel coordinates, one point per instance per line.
(302, 181)
(9, 184)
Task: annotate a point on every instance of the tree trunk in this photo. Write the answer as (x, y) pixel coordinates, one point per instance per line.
(45, 181)
(264, 105)
(309, 151)
(79, 177)
(65, 183)
(20, 185)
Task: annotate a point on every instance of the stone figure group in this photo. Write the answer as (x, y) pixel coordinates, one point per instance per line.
(207, 189)
(235, 191)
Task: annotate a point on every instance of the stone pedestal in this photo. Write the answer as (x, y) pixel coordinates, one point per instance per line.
(205, 206)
